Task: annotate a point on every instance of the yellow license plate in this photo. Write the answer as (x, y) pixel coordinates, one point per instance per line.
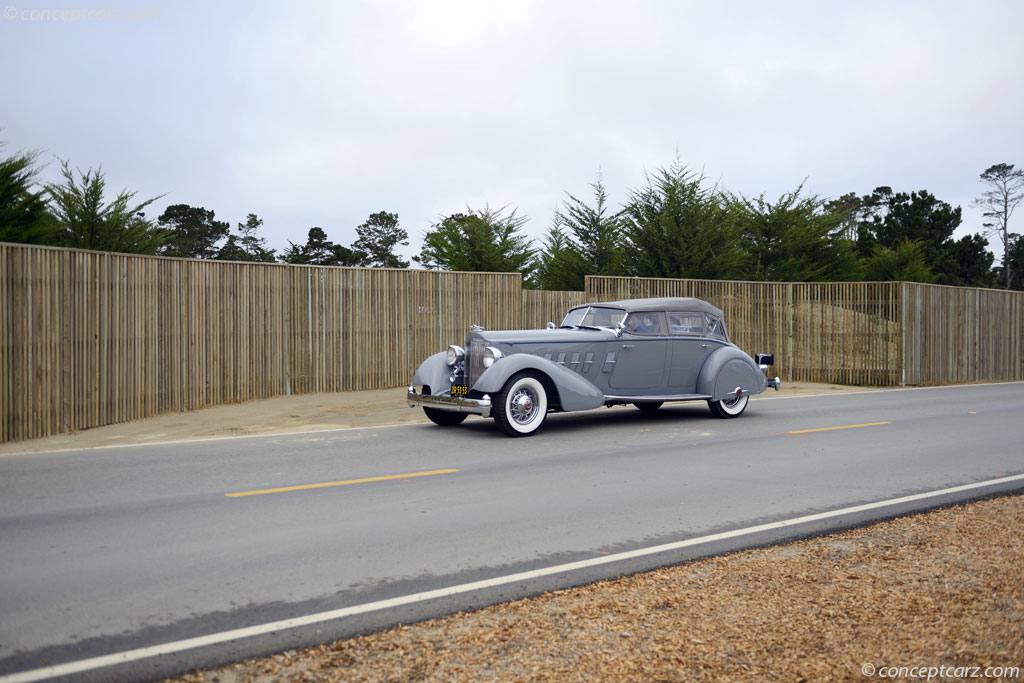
(459, 390)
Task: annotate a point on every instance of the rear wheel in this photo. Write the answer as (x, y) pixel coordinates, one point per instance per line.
(648, 407)
(445, 418)
(521, 405)
(730, 407)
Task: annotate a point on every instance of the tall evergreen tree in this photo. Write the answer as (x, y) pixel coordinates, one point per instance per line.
(596, 231)
(378, 237)
(247, 246)
(887, 219)
(1015, 261)
(677, 227)
(904, 262)
(320, 251)
(848, 211)
(194, 232)
(481, 241)
(87, 221)
(232, 250)
(967, 262)
(896, 217)
(793, 240)
(1005, 192)
(583, 240)
(24, 216)
(560, 265)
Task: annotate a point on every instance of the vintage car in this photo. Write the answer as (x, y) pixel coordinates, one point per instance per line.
(641, 351)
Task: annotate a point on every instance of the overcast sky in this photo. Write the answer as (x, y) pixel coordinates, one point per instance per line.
(319, 114)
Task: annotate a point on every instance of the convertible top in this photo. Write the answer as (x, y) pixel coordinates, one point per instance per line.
(661, 304)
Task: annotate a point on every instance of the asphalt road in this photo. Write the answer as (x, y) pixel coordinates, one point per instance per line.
(107, 551)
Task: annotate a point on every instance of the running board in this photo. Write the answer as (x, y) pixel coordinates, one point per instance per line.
(652, 399)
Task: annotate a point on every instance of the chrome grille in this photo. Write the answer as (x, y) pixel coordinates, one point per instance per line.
(474, 360)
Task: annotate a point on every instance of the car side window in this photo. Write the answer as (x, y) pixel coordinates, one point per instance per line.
(645, 323)
(716, 328)
(688, 324)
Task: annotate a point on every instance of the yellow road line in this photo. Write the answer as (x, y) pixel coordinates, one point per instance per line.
(829, 429)
(339, 483)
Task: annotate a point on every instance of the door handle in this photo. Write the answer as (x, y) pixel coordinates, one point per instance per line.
(629, 346)
(705, 346)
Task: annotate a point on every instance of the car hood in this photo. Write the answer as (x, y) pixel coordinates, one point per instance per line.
(533, 338)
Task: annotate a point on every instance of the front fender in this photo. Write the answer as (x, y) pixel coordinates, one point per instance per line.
(574, 391)
(434, 373)
(726, 369)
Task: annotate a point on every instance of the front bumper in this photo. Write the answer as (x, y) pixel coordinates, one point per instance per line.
(475, 406)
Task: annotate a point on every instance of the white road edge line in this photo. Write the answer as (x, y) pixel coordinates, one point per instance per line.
(308, 620)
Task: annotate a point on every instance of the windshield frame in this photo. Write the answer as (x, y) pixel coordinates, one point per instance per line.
(575, 319)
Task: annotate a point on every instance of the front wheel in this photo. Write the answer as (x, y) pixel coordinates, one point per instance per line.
(729, 407)
(521, 405)
(445, 418)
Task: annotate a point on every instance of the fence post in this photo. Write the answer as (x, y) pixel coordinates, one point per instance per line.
(903, 334)
(286, 306)
(789, 331)
(977, 335)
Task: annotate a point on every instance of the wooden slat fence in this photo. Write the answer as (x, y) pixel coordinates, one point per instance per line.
(845, 332)
(957, 334)
(874, 333)
(93, 338)
(541, 307)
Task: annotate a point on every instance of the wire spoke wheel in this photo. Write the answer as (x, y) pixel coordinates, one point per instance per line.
(521, 406)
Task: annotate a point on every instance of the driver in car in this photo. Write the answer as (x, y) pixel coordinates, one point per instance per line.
(643, 323)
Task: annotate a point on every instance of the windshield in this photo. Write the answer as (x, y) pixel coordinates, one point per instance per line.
(593, 316)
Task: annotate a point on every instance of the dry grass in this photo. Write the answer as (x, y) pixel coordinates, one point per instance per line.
(943, 588)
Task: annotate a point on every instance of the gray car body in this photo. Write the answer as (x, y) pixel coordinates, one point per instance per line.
(585, 368)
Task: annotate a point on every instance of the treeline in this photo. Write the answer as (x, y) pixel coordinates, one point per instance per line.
(76, 213)
(677, 224)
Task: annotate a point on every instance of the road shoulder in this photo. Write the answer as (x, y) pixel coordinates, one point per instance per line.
(286, 414)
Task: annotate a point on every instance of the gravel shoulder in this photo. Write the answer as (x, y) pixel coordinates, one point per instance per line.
(942, 589)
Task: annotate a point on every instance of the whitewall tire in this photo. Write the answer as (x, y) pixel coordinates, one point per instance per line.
(731, 407)
(521, 405)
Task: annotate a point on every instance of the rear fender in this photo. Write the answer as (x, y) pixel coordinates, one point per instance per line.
(728, 368)
(574, 391)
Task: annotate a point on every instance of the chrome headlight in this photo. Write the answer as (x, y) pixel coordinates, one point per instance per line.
(491, 355)
(455, 354)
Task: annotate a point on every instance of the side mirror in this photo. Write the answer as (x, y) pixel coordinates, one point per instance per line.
(550, 325)
(619, 327)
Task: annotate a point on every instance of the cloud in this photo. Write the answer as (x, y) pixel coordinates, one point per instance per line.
(322, 113)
